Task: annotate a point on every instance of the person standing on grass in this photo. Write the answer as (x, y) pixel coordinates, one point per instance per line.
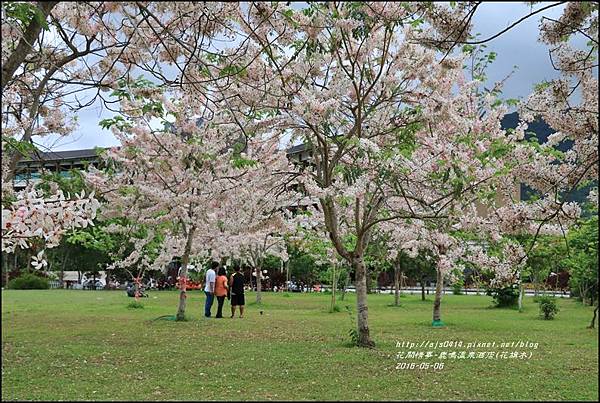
(236, 286)
(221, 290)
(209, 288)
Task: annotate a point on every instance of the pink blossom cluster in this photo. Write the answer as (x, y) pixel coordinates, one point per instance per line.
(35, 216)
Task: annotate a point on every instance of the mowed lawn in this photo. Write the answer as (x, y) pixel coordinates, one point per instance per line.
(71, 345)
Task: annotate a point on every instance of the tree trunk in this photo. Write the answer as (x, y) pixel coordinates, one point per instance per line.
(593, 323)
(346, 283)
(422, 288)
(582, 293)
(16, 58)
(521, 292)
(183, 276)
(439, 287)
(136, 291)
(29, 255)
(287, 276)
(14, 268)
(402, 282)
(258, 285)
(364, 339)
(396, 284)
(62, 270)
(333, 287)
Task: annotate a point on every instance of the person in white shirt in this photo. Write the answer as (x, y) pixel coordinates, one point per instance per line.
(209, 288)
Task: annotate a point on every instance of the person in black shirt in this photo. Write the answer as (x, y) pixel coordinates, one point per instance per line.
(236, 287)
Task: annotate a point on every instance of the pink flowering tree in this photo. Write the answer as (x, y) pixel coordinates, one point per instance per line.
(207, 186)
(254, 219)
(568, 104)
(394, 133)
(34, 218)
(175, 178)
(311, 238)
(61, 57)
(400, 240)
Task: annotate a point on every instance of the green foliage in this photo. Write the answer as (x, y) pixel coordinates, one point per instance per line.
(28, 281)
(582, 259)
(25, 148)
(541, 86)
(548, 307)
(232, 70)
(302, 266)
(505, 297)
(153, 106)
(241, 162)
(545, 257)
(70, 182)
(125, 91)
(325, 276)
(457, 287)
(118, 121)
(353, 331)
(419, 267)
(24, 13)
(135, 305)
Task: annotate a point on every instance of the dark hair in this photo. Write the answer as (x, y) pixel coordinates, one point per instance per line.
(214, 265)
(222, 271)
(237, 268)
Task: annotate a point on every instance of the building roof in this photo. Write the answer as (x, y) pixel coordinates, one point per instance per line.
(62, 155)
(92, 153)
(297, 149)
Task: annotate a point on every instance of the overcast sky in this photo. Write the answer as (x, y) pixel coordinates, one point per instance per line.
(518, 46)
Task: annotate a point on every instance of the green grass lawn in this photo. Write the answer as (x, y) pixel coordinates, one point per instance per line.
(70, 345)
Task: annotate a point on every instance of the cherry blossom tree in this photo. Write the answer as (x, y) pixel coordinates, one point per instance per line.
(397, 133)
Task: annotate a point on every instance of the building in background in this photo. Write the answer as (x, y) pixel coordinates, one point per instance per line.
(61, 162)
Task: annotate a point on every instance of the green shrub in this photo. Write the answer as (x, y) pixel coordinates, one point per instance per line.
(135, 305)
(548, 307)
(505, 297)
(352, 332)
(457, 287)
(28, 281)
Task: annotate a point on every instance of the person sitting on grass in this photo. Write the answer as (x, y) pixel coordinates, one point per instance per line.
(236, 286)
(221, 290)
